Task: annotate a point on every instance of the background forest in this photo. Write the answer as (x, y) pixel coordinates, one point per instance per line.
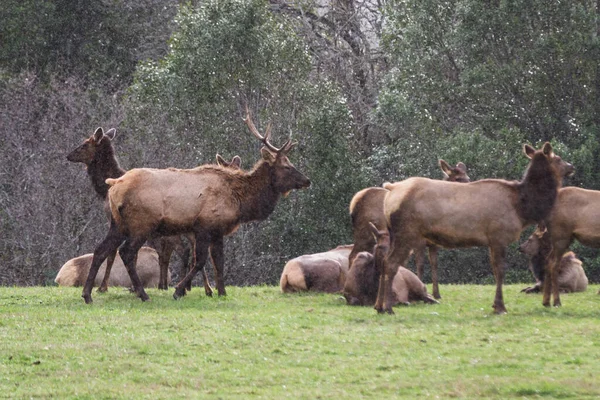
(373, 91)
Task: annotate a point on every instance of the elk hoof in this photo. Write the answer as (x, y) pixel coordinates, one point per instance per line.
(87, 298)
(178, 294)
(102, 289)
(557, 304)
(499, 310)
(143, 296)
(209, 293)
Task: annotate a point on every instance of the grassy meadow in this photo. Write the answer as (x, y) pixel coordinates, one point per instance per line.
(259, 343)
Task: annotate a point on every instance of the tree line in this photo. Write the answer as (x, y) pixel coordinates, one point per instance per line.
(372, 91)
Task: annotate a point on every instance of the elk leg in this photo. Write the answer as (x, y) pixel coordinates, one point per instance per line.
(420, 260)
(109, 263)
(128, 252)
(201, 256)
(497, 257)
(218, 260)
(433, 261)
(164, 256)
(385, 295)
(109, 245)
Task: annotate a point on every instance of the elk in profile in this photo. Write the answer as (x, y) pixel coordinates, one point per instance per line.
(209, 201)
(367, 207)
(98, 155)
(576, 216)
(489, 212)
(571, 276)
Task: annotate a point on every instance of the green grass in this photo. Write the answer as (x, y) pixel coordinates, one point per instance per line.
(260, 343)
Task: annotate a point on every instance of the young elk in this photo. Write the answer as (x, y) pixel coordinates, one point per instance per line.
(489, 212)
(571, 276)
(576, 215)
(367, 207)
(209, 201)
(98, 154)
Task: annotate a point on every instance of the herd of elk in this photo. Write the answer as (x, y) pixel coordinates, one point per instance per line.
(367, 207)
(209, 201)
(320, 272)
(571, 276)
(98, 155)
(489, 212)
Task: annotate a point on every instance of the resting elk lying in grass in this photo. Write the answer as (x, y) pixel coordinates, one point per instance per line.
(75, 271)
(489, 212)
(362, 281)
(576, 216)
(367, 207)
(571, 276)
(320, 272)
(98, 155)
(209, 201)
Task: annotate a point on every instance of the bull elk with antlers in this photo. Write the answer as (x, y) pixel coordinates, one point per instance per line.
(489, 212)
(208, 201)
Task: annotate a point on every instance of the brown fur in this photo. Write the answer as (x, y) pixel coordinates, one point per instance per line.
(571, 276)
(320, 272)
(209, 201)
(75, 271)
(576, 216)
(367, 206)
(490, 212)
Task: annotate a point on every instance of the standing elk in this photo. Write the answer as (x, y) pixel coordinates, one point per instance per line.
(489, 212)
(362, 281)
(320, 272)
(576, 216)
(75, 271)
(209, 201)
(367, 207)
(98, 155)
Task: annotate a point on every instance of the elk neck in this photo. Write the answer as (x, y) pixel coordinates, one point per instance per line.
(103, 166)
(538, 190)
(257, 194)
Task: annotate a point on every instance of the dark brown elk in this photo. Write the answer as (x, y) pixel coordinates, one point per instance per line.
(362, 280)
(367, 207)
(489, 212)
(98, 154)
(75, 271)
(209, 201)
(571, 276)
(320, 272)
(576, 216)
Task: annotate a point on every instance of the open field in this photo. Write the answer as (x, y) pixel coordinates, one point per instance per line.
(260, 343)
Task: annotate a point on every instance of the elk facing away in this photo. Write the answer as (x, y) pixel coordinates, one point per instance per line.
(208, 201)
(367, 207)
(98, 154)
(489, 212)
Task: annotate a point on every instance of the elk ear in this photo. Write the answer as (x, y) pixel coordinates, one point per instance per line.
(462, 167)
(98, 134)
(547, 149)
(528, 150)
(267, 155)
(445, 168)
(220, 160)
(236, 161)
(111, 133)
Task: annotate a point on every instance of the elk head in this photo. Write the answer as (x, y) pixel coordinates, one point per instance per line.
(454, 174)
(535, 243)
(284, 176)
(560, 167)
(85, 152)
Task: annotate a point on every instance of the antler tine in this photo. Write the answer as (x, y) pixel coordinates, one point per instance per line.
(263, 139)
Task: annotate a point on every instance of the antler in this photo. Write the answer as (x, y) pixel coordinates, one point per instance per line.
(264, 139)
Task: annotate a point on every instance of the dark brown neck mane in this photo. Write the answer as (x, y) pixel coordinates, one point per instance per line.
(538, 189)
(258, 197)
(104, 165)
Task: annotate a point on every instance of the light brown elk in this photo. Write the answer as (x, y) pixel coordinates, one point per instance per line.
(576, 216)
(363, 278)
(98, 155)
(571, 276)
(75, 271)
(489, 212)
(208, 201)
(367, 207)
(319, 272)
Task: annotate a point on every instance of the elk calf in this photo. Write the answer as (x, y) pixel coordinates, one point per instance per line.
(489, 212)
(367, 207)
(75, 271)
(320, 272)
(571, 276)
